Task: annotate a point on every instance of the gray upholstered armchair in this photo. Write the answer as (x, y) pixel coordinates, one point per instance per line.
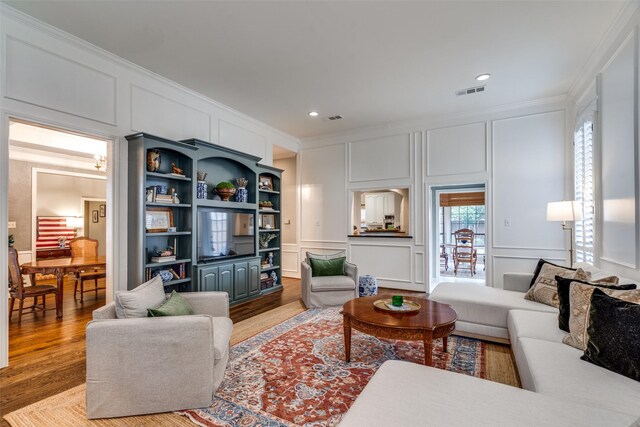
(157, 364)
(326, 291)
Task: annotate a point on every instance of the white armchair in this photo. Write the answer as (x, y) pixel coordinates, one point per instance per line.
(157, 364)
(327, 291)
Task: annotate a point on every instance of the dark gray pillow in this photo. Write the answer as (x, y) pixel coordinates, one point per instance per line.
(614, 335)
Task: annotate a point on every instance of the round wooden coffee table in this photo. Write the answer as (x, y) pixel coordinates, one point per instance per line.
(434, 320)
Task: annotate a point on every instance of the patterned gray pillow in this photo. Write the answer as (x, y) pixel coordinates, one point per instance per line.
(545, 288)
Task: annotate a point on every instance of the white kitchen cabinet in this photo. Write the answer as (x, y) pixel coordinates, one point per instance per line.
(389, 203)
(374, 209)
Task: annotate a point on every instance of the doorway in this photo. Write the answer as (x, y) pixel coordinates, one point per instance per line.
(459, 234)
(287, 160)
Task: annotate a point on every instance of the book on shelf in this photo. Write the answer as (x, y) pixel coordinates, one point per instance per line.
(178, 174)
(163, 258)
(164, 198)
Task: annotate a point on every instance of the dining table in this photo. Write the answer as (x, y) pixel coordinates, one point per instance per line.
(60, 267)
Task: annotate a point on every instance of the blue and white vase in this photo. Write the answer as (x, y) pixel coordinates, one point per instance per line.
(201, 190)
(242, 195)
(270, 259)
(367, 285)
(274, 276)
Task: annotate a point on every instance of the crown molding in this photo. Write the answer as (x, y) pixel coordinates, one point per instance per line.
(79, 43)
(440, 120)
(589, 69)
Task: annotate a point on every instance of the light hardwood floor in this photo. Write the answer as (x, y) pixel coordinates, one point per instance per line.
(47, 355)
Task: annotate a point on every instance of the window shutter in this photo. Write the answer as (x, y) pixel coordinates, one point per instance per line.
(583, 178)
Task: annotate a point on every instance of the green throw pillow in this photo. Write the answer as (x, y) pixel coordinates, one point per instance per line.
(175, 305)
(327, 267)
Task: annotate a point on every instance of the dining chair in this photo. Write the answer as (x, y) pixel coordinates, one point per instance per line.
(18, 290)
(444, 256)
(464, 251)
(84, 247)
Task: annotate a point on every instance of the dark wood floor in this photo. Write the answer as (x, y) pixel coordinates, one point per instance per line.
(47, 355)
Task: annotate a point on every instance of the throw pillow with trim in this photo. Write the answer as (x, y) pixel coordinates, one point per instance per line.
(311, 256)
(134, 303)
(564, 313)
(327, 267)
(580, 306)
(614, 335)
(545, 287)
(175, 305)
(541, 263)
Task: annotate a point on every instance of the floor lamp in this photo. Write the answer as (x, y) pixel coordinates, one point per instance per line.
(565, 211)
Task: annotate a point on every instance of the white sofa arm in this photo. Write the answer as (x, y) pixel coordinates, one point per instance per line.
(518, 282)
(131, 363)
(215, 304)
(351, 270)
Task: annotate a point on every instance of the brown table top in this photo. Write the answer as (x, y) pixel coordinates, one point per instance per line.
(66, 262)
(431, 315)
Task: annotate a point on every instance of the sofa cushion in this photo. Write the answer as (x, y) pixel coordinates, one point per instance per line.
(484, 305)
(564, 310)
(428, 396)
(222, 328)
(332, 283)
(533, 324)
(544, 288)
(597, 274)
(327, 267)
(580, 302)
(175, 305)
(136, 302)
(556, 369)
(614, 335)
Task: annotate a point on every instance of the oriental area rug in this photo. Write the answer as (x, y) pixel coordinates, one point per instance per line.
(294, 374)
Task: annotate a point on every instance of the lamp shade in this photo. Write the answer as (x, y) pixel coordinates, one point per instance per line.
(75, 222)
(564, 211)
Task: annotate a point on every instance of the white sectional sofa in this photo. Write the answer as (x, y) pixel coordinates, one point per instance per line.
(566, 390)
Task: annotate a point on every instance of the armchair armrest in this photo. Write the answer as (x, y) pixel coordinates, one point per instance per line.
(131, 363)
(215, 304)
(107, 311)
(351, 270)
(516, 281)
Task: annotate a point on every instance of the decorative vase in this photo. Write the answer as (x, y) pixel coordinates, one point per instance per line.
(264, 245)
(242, 195)
(226, 193)
(367, 285)
(270, 259)
(201, 190)
(153, 160)
(274, 276)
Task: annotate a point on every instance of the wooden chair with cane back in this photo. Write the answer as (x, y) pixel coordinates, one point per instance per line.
(18, 290)
(83, 247)
(464, 251)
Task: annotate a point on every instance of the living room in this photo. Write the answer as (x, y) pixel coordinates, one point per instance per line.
(388, 117)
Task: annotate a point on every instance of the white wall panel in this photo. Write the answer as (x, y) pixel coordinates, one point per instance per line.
(161, 116)
(290, 260)
(619, 165)
(419, 267)
(457, 150)
(381, 158)
(46, 79)
(241, 139)
(388, 263)
(515, 264)
(528, 171)
(323, 204)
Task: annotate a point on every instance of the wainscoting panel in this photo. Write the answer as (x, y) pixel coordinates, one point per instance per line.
(389, 263)
(290, 261)
(620, 173)
(528, 172)
(241, 139)
(419, 267)
(457, 150)
(323, 203)
(378, 159)
(46, 79)
(515, 264)
(159, 115)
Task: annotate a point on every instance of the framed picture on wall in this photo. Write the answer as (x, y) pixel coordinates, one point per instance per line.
(158, 220)
(103, 211)
(94, 216)
(266, 183)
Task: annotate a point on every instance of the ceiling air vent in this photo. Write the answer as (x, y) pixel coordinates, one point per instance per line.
(470, 90)
(337, 117)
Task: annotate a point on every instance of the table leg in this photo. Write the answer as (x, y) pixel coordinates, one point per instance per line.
(59, 295)
(428, 350)
(444, 344)
(347, 338)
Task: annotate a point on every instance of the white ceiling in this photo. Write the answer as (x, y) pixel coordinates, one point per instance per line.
(371, 62)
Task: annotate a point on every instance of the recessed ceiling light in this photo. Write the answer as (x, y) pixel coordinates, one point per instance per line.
(313, 113)
(483, 77)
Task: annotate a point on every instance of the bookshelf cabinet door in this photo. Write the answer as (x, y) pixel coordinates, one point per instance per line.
(208, 279)
(225, 279)
(254, 276)
(241, 284)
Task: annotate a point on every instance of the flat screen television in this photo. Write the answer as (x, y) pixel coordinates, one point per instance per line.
(224, 233)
